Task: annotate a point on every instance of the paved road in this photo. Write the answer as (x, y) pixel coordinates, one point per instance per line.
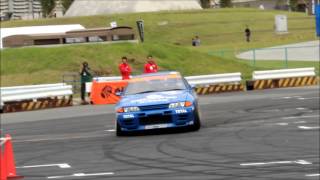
(306, 51)
(269, 134)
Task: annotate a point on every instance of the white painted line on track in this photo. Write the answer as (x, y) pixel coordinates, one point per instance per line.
(303, 162)
(296, 96)
(289, 97)
(312, 175)
(282, 124)
(298, 117)
(308, 98)
(81, 175)
(110, 130)
(308, 127)
(300, 108)
(62, 165)
(299, 122)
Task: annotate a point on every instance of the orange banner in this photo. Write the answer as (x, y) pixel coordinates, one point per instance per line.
(105, 92)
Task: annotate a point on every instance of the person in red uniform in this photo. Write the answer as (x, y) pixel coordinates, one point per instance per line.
(125, 69)
(150, 66)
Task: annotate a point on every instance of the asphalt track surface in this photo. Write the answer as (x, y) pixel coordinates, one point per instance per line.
(268, 134)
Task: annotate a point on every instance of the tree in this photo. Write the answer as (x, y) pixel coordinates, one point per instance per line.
(293, 5)
(205, 3)
(66, 4)
(225, 3)
(47, 7)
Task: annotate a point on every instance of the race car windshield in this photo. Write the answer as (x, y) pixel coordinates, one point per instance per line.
(155, 85)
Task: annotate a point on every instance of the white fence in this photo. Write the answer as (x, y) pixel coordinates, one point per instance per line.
(19, 93)
(283, 73)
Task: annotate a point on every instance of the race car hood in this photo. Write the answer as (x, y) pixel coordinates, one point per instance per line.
(154, 98)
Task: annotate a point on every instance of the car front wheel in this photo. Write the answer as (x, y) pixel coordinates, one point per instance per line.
(197, 123)
(119, 132)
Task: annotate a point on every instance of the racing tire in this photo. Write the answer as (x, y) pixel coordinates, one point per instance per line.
(119, 132)
(197, 123)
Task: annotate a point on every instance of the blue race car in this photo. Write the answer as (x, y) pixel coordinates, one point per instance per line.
(157, 100)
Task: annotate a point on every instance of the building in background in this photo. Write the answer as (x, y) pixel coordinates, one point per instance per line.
(95, 35)
(20, 9)
(26, 9)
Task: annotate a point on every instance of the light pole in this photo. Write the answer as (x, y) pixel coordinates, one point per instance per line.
(32, 9)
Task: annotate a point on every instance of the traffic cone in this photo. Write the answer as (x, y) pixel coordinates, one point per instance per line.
(3, 172)
(9, 159)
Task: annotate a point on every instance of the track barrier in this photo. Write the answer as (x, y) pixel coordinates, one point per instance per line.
(219, 88)
(34, 97)
(42, 103)
(283, 78)
(8, 168)
(216, 83)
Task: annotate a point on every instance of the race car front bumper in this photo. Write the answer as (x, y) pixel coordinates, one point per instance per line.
(155, 119)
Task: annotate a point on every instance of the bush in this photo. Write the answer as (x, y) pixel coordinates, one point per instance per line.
(225, 3)
(293, 5)
(205, 3)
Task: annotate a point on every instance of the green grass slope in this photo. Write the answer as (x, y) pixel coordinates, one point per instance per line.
(168, 39)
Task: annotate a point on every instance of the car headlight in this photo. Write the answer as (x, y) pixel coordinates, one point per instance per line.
(128, 109)
(180, 104)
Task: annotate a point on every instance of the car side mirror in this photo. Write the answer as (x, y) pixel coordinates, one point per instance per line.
(193, 86)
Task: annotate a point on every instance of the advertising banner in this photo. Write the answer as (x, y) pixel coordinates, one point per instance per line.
(106, 92)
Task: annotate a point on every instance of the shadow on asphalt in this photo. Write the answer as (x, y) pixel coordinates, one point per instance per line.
(159, 132)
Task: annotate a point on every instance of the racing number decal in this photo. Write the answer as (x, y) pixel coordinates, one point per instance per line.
(179, 111)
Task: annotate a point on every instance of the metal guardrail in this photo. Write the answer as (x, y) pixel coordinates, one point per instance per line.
(211, 79)
(214, 79)
(20, 93)
(4, 89)
(283, 73)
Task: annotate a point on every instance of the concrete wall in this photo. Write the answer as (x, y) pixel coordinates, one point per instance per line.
(94, 7)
